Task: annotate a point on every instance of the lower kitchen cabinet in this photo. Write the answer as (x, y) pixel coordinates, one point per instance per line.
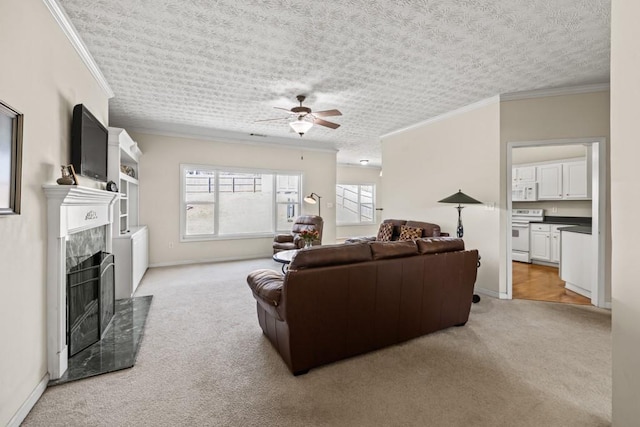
(131, 253)
(545, 243)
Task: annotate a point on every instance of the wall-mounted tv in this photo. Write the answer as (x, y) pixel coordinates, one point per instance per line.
(89, 144)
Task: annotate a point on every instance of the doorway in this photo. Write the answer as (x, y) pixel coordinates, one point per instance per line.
(539, 275)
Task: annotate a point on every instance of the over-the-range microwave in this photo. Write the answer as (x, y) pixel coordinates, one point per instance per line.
(524, 192)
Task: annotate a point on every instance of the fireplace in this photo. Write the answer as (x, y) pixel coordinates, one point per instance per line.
(90, 301)
(84, 215)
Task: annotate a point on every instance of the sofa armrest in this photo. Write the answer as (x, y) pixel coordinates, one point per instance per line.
(444, 234)
(266, 286)
(283, 238)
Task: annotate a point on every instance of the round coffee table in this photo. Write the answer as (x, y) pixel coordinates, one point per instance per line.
(284, 258)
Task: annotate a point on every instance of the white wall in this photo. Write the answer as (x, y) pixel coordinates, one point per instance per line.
(548, 118)
(43, 77)
(625, 189)
(354, 174)
(160, 192)
(430, 162)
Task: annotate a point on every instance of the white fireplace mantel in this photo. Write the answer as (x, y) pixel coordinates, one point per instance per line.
(70, 209)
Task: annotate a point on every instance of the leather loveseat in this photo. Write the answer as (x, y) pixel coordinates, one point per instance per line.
(428, 230)
(338, 301)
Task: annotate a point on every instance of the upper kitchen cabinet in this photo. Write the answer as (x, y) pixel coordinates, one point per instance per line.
(567, 180)
(550, 181)
(523, 174)
(575, 180)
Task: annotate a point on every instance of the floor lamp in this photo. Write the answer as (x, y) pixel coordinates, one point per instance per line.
(311, 199)
(460, 198)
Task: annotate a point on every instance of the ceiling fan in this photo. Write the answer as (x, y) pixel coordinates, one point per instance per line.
(305, 118)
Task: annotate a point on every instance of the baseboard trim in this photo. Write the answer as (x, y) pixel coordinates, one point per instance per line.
(491, 293)
(28, 404)
(207, 260)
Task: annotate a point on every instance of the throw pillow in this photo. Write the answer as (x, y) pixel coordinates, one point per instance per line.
(385, 232)
(410, 233)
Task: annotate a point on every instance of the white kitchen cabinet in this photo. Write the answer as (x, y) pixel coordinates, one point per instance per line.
(523, 174)
(131, 254)
(539, 243)
(555, 244)
(567, 180)
(550, 181)
(575, 182)
(545, 243)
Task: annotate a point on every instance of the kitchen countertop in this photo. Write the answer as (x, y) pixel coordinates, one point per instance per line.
(569, 220)
(582, 229)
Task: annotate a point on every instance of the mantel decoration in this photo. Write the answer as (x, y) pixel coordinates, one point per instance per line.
(68, 175)
(309, 236)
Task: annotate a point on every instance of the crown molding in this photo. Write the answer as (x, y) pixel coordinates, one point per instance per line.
(453, 113)
(556, 91)
(72, 34)
(218, 135)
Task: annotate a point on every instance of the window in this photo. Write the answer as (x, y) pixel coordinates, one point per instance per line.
(355, 204)
(223, 203)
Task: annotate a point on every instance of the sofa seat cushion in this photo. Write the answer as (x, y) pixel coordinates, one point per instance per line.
(266, 286)
(384, 250)
(434, 245)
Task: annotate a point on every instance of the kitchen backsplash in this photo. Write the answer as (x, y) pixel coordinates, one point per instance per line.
(563, 207)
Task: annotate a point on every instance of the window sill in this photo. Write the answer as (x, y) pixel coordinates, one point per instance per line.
(205, 238)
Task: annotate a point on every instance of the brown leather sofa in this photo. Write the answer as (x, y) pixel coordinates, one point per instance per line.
(428, 230)
(285, 242)
(338, 301)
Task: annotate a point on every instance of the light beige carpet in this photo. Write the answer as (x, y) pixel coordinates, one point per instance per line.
(204, 362)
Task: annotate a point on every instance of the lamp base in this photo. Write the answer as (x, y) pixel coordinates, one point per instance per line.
(460, 229)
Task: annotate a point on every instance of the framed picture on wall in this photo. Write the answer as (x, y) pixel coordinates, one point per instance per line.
(10, 159)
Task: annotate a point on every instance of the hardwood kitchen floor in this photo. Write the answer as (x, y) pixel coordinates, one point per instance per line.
(542, 283)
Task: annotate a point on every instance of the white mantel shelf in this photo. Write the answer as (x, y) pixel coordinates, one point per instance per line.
(70, 209)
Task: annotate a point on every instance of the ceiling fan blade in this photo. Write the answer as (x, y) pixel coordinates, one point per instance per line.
(326, 123)
(327, 113)
(270, 120)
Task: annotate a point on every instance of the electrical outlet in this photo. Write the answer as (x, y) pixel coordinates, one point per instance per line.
(490, 206)
(554, 209)
(170, 245)
(329, 205)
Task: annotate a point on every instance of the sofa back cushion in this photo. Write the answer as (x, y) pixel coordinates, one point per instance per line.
(322, 256)
(428, 229)
(439, 244)
(384, 250)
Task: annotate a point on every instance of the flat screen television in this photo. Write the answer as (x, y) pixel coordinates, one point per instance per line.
(89, 144)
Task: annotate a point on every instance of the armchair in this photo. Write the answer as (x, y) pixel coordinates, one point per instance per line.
(284, 242)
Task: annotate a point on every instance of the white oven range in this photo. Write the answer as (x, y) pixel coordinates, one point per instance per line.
(520, 220)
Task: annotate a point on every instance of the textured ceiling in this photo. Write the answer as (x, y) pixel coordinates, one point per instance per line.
(386, 65)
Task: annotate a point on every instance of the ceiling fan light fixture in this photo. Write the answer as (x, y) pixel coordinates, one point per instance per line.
(364, 162)
(301, 126)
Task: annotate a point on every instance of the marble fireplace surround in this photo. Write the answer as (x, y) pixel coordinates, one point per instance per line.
(70, 209)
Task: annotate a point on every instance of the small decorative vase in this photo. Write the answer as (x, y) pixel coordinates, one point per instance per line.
(307, 243)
